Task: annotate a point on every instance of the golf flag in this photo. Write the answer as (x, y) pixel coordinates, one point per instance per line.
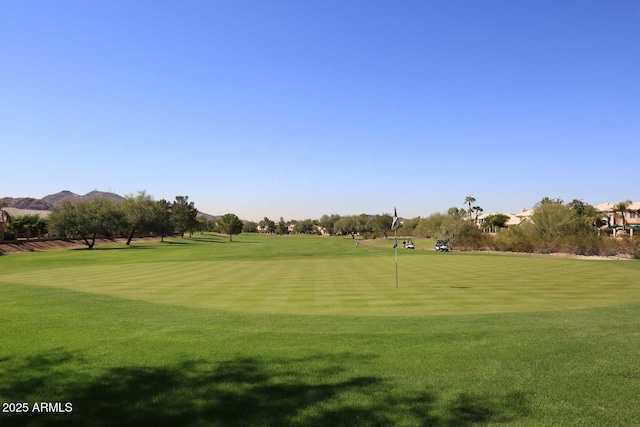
(394, 227)
(394, 224)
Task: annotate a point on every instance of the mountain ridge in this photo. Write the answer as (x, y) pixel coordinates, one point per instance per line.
(53, 201)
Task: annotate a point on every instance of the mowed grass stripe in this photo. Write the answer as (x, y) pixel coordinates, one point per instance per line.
(296, 286)
(341, 280)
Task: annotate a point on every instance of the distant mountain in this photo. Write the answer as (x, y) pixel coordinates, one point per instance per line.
(209, 217)
(56, 199)
(111, 196)
(26, 203)
(53, 201)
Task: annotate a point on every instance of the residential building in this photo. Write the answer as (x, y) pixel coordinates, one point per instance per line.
(614, 219)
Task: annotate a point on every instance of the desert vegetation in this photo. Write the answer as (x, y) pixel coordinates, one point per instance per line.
(555, 226)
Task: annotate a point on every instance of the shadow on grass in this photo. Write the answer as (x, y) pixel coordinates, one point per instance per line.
(239, 392)
(219, 239)
(169, 242)
(209, 239)
(120, 248)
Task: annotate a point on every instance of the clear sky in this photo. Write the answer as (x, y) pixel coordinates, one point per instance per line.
(303, 108)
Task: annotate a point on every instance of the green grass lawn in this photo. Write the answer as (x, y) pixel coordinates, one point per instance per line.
(301, 331)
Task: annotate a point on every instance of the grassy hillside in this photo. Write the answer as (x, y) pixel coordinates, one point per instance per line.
(311, 331)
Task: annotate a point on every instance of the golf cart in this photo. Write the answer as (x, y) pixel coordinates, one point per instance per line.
(410, 245)
(442, 245)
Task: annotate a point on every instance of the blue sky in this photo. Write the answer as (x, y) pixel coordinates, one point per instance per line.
(301, 108)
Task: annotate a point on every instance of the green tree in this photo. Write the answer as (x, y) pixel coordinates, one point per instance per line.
(447, 227)
(230, 224)
(328, 222)
(98, 217)
(354, 224)
(363, 223)
(469, 200)
(408, 226)
(477, 210)
(282, 228)
(345, 225)
(4, 220)
(621, 208)
(249, 226)
(267, 225)
(161, 223)
(202, 224)
(456, 212)
(138, 213)
(183, 215)
(431, 225)
(382, 223)
(553, 220)
(28, 223)
(577, 206)
(495, 221)
(587, 214)
(306, 226)
(546, 200)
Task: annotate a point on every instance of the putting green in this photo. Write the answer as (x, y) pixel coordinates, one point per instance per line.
(321, 275)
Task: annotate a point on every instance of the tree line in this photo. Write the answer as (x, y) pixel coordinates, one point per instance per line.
(555, 226)
(141, 215)
(333, 224)
(135, 215)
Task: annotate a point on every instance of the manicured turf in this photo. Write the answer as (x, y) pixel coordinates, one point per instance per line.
(316, 275)
(312, 331)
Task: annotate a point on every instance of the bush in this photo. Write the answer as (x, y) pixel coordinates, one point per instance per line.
(519, 239)
(581, 245)
(631, 246)
(609, 247)
(474, 242)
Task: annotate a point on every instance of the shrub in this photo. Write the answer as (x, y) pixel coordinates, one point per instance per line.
(610, 247)
(581, 245)
(474, 242)
(631, 246)
(518, 239)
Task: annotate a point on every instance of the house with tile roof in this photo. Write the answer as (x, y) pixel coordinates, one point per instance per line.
(615, 218)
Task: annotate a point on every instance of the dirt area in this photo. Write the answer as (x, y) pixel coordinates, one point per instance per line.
(45, 245)
(621, 257)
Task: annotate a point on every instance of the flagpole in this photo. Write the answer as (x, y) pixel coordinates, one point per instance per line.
(394, 227)
(395, 233)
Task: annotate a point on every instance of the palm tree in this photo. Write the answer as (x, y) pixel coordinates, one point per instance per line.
(477, 210)
(622, 208)
(468, 200)
(598, 220)
(4, 219)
